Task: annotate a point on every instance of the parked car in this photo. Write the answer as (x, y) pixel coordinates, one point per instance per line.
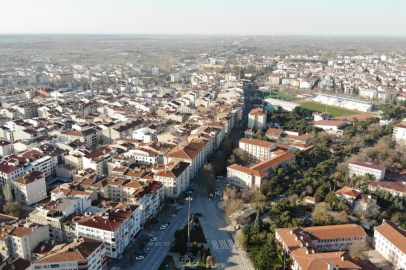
(177, 208)
(154, 239)
(174, 212)
(217, 180)
(220, 176)
(225, 184)
(147, 248)
(182, 203)
(172, 215)
(139, 258)
(216, 186)
(162, 228)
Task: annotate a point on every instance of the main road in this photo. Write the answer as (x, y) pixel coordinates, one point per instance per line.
(218, 233)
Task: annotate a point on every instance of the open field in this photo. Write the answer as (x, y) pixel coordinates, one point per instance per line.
(336, 112)
(279, 95)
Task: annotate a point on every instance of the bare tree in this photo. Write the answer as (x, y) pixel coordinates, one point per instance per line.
(358, 249)
(210, 260)
(370, 208)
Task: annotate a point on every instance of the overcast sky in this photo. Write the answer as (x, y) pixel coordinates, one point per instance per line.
(205, 17)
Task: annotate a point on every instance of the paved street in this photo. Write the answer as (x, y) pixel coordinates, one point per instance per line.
(219, 234)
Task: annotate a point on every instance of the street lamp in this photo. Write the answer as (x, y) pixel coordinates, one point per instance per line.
(188, 221)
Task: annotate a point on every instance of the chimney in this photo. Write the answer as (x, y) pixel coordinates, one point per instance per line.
(342, 258)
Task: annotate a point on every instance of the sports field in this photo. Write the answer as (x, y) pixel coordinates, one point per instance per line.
(279, 95)
(336, 112)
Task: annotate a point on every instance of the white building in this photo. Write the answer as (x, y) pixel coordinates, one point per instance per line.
(175, 177)
(30, 188)
(390, 243)
(256, 150)
(6, 148)
(399, 133)
(253, 176)
(19, 240)
(257, 119)
(116, 226)
(286, 105)
(145, 134)
(143, 155)
(361, 168)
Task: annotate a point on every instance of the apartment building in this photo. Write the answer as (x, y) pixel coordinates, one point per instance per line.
(145, 134)
(18, 240)
(194, 152)
(91, 137)
(30, 188)
(6, 148)
(257, 119)
(53, 213)
(121, 130)
(399, 133)
(117, 226)
(175, 178)
(143, 156)
(83, 253)
(256, 150)
(98, 159)
(361, 168)
(390, 243)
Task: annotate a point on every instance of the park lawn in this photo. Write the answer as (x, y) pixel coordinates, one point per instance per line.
(336, 112)
(278, 95)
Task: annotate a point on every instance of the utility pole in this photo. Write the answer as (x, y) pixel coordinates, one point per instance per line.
(188, 223)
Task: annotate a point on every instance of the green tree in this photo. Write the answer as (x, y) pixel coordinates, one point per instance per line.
(332, 200)
(258, 223)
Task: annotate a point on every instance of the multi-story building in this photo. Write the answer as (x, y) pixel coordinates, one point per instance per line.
(121, 130)
(19, 240)
(175, 177)
(54, 212)
(390, 243)
(83, 253)
(257, 119)
(145, 134)
(30, 188)
(361, 168)
(91, 137)
(194, 152)
(6, 148)
(320, 238)
(143, 156)
(257, 150)
(399, 133)
(253, 176)
(115, 224)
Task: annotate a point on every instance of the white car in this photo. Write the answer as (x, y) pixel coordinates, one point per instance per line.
(172, 215)
(139, 258)
(154, 239)
(162, 228)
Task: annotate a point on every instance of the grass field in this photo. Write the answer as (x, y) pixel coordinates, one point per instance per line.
(280, 95)
(336, 112)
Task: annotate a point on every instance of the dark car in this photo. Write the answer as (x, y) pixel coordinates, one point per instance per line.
(181, 203)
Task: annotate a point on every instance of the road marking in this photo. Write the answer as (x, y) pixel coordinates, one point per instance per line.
(163, 244)
(223, 244)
